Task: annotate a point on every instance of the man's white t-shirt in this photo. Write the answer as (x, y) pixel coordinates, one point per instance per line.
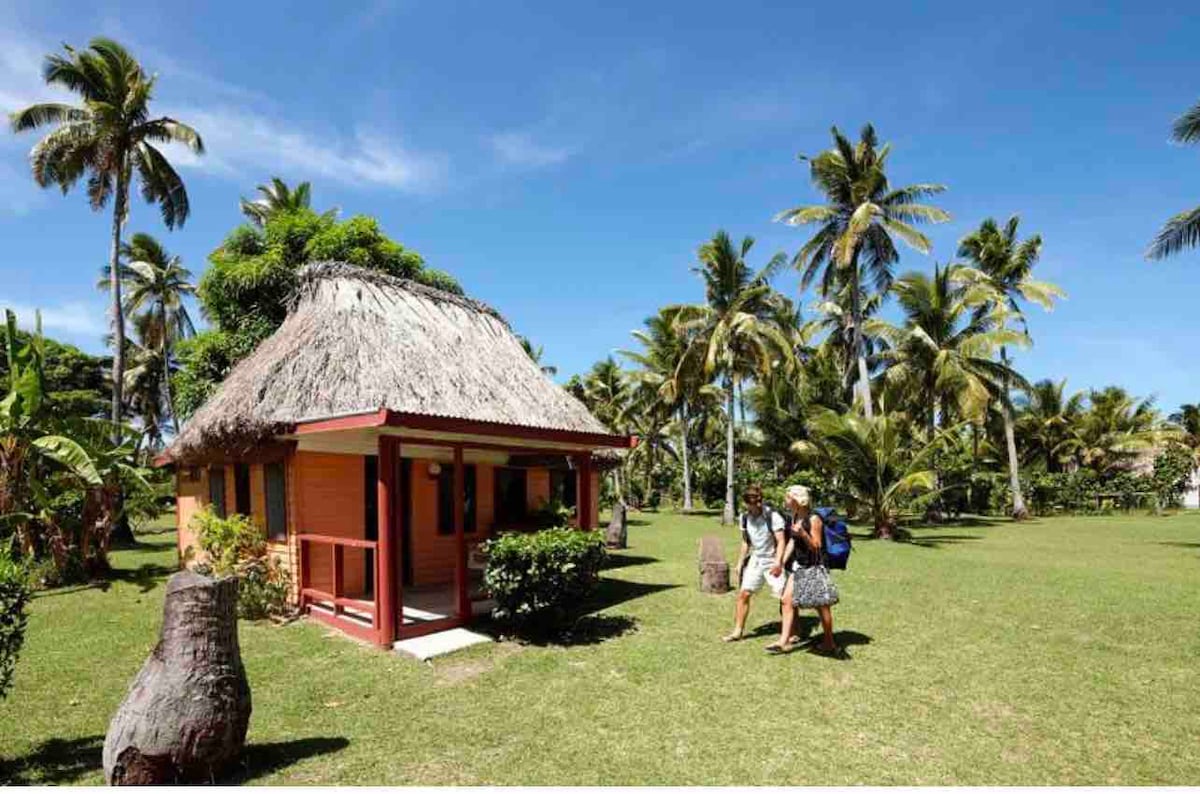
(761, 532)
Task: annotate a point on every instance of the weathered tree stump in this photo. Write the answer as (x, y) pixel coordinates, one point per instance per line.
(714, 569)
(617, 534)
(186, 714)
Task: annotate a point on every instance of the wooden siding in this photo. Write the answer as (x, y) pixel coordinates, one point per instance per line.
(329, 490)
(190, 496)
(434, 554)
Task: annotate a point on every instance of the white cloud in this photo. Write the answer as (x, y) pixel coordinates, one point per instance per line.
(519, 148)
(243, 144)
(73, 318)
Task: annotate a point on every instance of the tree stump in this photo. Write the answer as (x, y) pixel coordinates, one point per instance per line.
(617, 535)
(186, 714)
(714, 569)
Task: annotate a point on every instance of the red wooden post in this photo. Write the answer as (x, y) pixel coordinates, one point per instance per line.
(583, 491)
(460, 536)
(305, 578)
(387, 604)
(335, 550)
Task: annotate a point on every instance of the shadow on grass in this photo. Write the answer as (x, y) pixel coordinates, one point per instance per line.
(584, 630)
(58, 761)
(626, 560)
(610, 592)
(259, 760)
(54, 761)
(936, 541)
(146, 577)
(801, 628)
(145, 546)
(843, 639)
(1180, 544)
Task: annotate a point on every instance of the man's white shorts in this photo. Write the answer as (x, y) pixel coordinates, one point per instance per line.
(758, 573)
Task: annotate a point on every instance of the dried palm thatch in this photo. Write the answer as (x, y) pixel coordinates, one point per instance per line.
(356, 341)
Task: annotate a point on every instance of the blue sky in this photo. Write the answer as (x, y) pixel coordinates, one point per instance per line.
(565, 162)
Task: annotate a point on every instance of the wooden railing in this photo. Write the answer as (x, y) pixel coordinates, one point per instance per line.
(331, 606)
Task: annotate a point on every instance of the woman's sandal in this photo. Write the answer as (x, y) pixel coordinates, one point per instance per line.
(778, 649)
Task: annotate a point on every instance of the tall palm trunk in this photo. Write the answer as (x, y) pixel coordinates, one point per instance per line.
(687, 470)
(864, 381)
(727, 514)
(122, 533)
(1020, 512)
(166, 361)
(118, 312)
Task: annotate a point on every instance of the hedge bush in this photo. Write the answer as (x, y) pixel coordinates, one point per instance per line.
(14, 598)
(541, 578)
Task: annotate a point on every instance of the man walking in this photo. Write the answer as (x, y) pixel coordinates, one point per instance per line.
(761, 556)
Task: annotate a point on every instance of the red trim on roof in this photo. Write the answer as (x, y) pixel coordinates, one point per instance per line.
(447, 424)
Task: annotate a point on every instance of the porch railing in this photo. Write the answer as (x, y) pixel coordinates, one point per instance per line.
(357, 616)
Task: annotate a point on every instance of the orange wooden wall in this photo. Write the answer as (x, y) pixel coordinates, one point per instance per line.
(325, 496)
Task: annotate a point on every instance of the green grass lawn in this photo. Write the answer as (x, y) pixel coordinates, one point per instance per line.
(1059, 651)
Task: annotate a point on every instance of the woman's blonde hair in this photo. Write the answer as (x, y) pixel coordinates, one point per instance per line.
(798, 494)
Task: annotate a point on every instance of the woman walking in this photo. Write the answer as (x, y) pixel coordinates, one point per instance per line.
(809, 586)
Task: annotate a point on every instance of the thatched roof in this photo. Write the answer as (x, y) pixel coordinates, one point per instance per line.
(355, 341)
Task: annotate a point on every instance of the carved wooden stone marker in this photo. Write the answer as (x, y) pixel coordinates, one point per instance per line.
(186, 714)
(714, 569)
(617, 535)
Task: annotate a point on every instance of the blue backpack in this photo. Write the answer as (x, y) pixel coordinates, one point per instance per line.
(837, 538)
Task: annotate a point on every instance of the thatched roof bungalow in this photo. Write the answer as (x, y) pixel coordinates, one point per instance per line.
(383, 430)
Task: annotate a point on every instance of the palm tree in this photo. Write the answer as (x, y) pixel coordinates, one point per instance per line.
(536, 354)
(1117, 428)
(1047, 421)
(1183, 230)
(665, 381)
(856, 227)
(606, 393)
(111, 138)
(156, 282)
(943, 353)
(874, 460)
(734, 334)
(277, 198)
(1006, 265)
(148, 378)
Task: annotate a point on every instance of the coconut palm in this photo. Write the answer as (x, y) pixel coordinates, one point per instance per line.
(854, 241)
(1183, 230)
(148, 378)
(942, 356)
(606, 393)
(277, 198)
(734, 334)
(1188, 420)
(155, 282)
(876, 463)
(1005, 263)
(1047, 422)
(665, 381)
(1117, 428)
(111, 138)
(536, 354)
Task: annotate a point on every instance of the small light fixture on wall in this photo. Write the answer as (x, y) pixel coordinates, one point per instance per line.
(435, 468)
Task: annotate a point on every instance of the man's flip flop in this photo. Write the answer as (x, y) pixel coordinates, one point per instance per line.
(775, 649)
(733, 637)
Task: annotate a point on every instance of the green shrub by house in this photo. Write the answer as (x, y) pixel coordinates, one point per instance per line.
(236, 547)
(539, 579)
(14, 598)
